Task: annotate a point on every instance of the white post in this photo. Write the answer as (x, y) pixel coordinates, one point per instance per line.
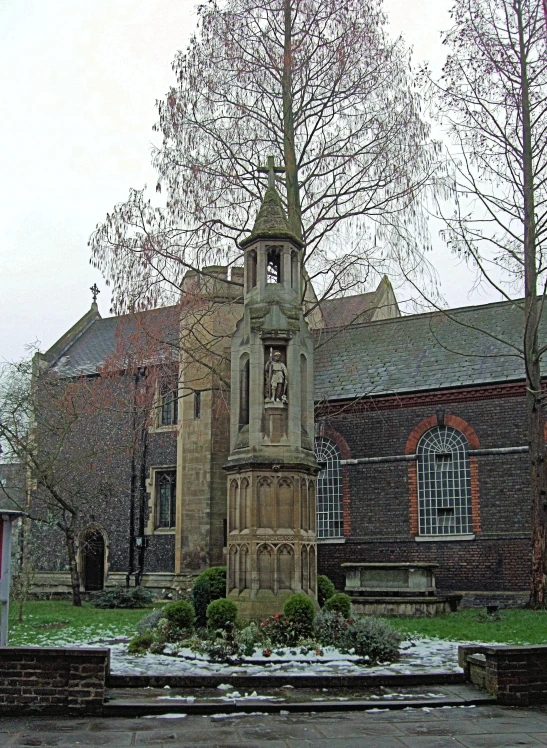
(5, 572)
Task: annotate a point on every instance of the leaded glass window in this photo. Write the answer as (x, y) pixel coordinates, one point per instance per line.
(329, 489)
(169, 408)
(166, 498)
(444, 482)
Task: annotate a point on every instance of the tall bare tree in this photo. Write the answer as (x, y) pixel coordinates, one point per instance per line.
(321, 86)
(493, 99)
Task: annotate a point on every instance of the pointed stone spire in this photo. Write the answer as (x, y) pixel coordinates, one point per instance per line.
(271, 221)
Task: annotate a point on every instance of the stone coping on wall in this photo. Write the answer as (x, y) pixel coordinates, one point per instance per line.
(516, 675)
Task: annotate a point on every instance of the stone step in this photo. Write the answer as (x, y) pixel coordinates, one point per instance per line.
(141, 703)
(252, 682)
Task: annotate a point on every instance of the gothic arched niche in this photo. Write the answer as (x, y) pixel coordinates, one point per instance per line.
(234, 491)
(311, 505)
(244, 390)
(311, 573)
(244, 505)
(244, 568)
(285, 503)
(265, 559)
(304, 571)
(285, 567)
(304, 506)
(265, 502)
(233, 566)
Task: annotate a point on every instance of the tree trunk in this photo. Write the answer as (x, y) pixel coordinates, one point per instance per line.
(532, 306)
(291, 170)
(72, 564)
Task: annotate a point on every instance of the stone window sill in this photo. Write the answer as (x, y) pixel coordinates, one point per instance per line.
(164, 531)
(163, 429)
(442, 538)
(330, 541)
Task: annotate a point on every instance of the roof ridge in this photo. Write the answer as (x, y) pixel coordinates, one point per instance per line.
(404, 317)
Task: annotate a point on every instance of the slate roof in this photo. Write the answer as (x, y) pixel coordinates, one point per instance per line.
(402, 355)
(110, 339)
(420, 352)
(349, 309)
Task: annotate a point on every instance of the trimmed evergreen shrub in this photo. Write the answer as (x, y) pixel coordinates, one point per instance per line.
(180, 615)
(325, 589)
(221, 614)
(150, 620)
(209, 586)
(339, 603)
(122, 597)
(141, 643)
(299, 610)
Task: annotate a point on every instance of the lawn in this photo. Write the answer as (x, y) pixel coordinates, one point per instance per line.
(472, 624)
(58, 622)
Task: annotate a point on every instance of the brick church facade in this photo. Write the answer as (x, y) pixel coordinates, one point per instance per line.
(419, 432)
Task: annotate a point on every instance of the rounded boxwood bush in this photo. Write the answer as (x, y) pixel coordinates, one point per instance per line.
(300, 611)
(221, 614)
(209, 586)
(325, 589)
(339, 603)
(180, 614)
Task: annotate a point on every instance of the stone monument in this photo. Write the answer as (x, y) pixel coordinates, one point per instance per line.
(272, 548)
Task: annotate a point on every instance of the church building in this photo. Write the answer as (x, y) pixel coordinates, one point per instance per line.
(362, 436)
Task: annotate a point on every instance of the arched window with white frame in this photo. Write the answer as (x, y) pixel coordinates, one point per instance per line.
(329, 489)
(444, 483)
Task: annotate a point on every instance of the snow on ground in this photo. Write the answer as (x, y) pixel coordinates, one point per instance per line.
(422, 655)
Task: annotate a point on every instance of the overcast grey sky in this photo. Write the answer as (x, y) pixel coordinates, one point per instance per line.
(79, 81)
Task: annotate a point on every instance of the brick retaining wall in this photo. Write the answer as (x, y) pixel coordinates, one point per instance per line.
(53, 680)
(517, 676)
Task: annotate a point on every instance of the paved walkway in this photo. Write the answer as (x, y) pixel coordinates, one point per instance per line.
(479, 727)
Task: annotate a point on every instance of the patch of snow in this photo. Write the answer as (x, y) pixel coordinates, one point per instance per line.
(235, 715)
(173, 715)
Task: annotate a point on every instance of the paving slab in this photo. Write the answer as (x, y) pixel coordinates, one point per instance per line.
(498, 740)
(481, 727)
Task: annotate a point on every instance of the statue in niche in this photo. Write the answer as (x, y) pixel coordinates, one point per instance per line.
(276, 379)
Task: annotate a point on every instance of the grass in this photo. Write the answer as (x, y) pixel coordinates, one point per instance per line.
(58, 622)
(505, 627)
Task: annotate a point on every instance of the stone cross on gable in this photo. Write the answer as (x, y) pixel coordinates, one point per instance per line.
(95, 291)
(271, 170)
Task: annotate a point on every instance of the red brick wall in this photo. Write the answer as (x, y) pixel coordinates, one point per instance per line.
(382, 514)
(52, 680)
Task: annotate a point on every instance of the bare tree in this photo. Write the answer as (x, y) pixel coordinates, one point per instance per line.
(493, 99)
(319, 85)
(70, 430)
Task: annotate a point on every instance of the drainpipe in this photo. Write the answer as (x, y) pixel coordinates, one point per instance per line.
(131, 567)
